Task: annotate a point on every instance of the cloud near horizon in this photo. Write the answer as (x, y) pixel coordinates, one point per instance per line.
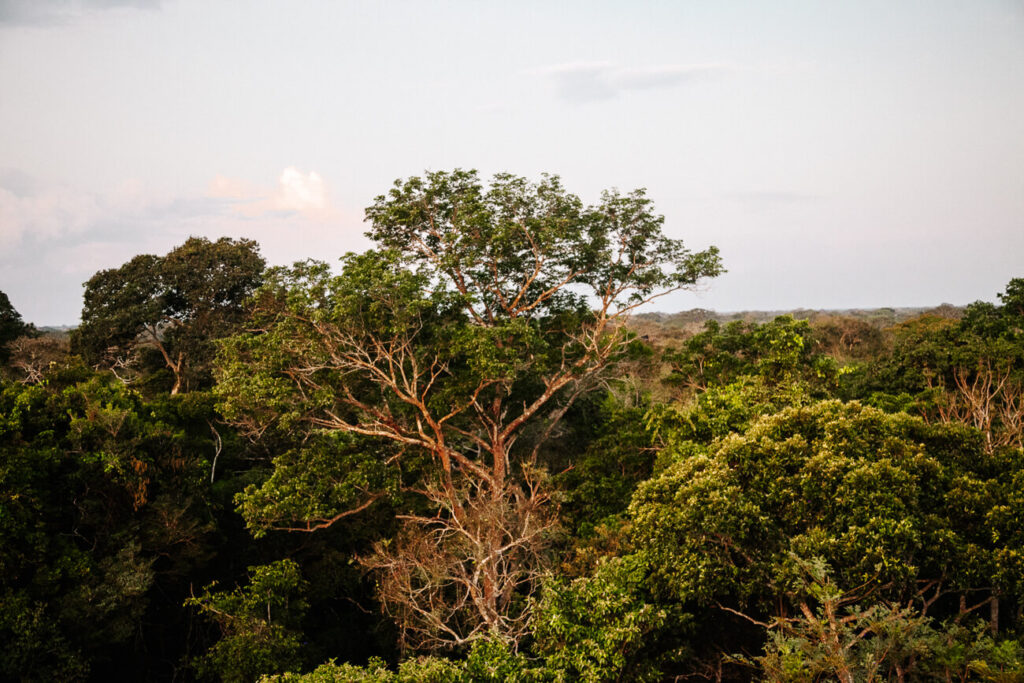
(296, 192)
(593, 81)
(71, 233)
(50, 213)
(35, 216)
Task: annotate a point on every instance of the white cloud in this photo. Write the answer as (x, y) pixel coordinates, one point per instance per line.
(70, 234)
(295, 218)
(296, 192)
(300, 192)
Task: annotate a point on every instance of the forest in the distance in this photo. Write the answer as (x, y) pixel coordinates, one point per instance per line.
(469, 454)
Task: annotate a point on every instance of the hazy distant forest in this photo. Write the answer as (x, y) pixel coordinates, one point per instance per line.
(472, 454)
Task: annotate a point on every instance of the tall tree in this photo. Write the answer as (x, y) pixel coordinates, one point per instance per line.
(456, 349)
(11, 326)
(175, 304)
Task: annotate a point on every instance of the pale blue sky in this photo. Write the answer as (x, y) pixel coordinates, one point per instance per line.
(839, 154)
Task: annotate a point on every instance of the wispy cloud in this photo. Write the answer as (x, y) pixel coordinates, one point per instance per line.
(58, 12)
(592, 81)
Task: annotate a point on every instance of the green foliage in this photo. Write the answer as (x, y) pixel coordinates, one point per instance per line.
(11, 327)
(486, 662)
(119, 303)
(486, 240)
(173, 306)
(971, 370)
(1013, 305)
(780, 352)
(460, 343)
(329, 473)
(884, 498)
(491, 661)
(601, 480)
(34, 646)
(991, 321)
(719, 411)
(604, 627)
(429, 386)
(421, 670)
(98, 489)
(847, 635)
(258, 624)
(592, 629)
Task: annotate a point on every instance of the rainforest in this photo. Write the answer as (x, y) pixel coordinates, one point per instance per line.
(474, 453)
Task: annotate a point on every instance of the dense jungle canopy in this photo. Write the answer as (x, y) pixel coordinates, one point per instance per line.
(462, 456)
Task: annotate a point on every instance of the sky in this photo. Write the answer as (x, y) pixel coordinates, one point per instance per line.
(840, 154)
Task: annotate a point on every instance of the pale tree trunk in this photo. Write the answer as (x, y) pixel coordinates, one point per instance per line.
(177, 367)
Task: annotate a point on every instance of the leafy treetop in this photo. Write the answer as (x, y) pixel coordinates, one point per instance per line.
(486, 312)
(176, 304)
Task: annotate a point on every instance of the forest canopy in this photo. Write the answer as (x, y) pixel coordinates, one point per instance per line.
(460, 456)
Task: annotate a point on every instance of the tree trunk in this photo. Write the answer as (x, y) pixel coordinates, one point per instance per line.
(176, 368)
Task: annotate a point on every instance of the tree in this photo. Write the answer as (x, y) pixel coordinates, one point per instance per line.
(258, 624)
(487, 661)
(603, 628)
(969, 371)
(781, 352)
(11, 326)
(32, 357)
(174, 304)
(601, 479)
(846, 338)
(914, 512)
(844, 633)
(102, 512)
(460, 343)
